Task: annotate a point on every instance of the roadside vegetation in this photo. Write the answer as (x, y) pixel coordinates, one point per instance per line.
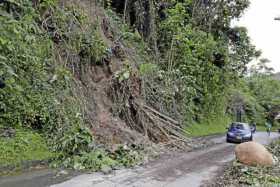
(94, 84)
(24, 146)
(209, 128)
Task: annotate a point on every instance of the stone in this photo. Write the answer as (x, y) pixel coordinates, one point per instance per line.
(62, 172)
(106, 170)
(253, 154)
(7, 132)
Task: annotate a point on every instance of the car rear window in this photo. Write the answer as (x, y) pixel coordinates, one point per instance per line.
(239, 126)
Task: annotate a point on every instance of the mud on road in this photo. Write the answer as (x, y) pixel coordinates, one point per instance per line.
(196, 168)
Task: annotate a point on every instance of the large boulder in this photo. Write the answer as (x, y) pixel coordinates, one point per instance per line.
(253, 154)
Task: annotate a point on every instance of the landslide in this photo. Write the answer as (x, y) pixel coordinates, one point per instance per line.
(113, 88)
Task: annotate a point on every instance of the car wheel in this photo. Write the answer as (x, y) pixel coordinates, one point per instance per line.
(251, 139)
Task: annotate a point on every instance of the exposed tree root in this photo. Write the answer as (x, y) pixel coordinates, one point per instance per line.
(158, 127)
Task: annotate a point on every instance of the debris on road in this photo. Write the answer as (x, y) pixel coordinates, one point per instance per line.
(238, 174)
(253, 154)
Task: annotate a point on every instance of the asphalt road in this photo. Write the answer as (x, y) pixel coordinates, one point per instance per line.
(194, 168)
(180, 169)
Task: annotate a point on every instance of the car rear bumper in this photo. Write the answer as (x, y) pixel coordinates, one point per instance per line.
(236, 140)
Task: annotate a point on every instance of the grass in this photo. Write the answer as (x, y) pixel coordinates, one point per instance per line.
(217, 126)
(212, 127)
(23, 147)
(263, 128)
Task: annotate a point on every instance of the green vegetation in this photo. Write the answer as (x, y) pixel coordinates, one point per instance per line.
(197, 52)
(40, 45)
(263, 128)
(23, 147)
(98, 159)
(38, 94)
(45, 53)
(209, 128)
(202, 65)
(202, 75)
(258, 96)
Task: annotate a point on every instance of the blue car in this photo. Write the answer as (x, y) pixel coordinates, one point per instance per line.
(239, 132)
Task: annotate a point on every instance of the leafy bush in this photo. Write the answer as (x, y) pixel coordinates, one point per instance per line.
(127, 156)
(97, 159)
(73, 141)
(258, 96)
(147, 69)
(93, 160)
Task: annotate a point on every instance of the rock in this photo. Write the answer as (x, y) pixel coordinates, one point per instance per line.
(275, 160)
(106, 170)
(253, 154)
(7, 132)
(62, 172)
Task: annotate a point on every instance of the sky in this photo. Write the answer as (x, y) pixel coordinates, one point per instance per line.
(263, 29)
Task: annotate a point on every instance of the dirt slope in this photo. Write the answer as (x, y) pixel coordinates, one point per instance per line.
(94, 83)
(115, 107)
